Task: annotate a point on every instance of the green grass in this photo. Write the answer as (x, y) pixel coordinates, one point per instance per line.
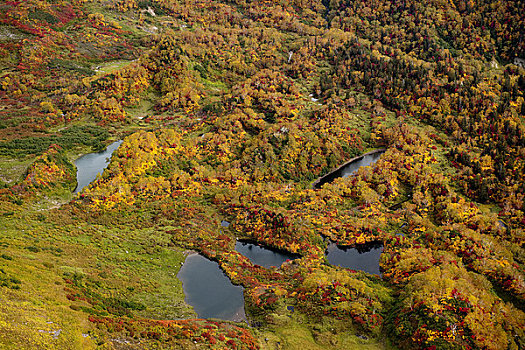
(44, 247)
(12, 170)
(166, 301)
(30, 315)
(294, 331)
(74, 136)
(110, 67)
(145, 107)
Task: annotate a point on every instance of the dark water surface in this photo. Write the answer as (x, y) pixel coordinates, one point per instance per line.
(350, 168)
(91, 164)
(263, 256)
(210, 291)
(364, 258)
(365, 161)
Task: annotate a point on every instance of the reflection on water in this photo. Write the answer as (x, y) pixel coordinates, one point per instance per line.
(365, 161)
(210, 291)
(364, 257)
(92, 164)
(350, 168)
(263, 256)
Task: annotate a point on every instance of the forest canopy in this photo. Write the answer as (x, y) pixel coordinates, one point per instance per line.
(228, 111)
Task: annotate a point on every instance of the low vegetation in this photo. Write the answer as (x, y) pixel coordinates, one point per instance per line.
(229, 110)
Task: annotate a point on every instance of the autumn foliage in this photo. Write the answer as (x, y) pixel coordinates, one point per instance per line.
(231, 111)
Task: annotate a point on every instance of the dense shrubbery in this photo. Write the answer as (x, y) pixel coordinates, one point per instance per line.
(69, 138)
(246, 103)
(49, 170)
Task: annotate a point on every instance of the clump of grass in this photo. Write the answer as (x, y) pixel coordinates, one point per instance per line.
(9, 281)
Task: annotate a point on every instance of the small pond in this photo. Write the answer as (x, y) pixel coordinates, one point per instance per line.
(350, 167)
(210, 291)
(364, 257)
(263, 256)
(91, 164)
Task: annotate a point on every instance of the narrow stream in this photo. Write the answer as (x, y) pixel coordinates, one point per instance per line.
(91, 164)
(210, 291)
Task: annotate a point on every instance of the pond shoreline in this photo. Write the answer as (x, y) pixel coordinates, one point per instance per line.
(89, 165)
(264, 255)
(209, 290)
(358, 257)
(341, 167)
(266, 246)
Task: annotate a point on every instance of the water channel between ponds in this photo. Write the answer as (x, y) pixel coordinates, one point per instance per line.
(91, 164)
(210, 291)
(363, 257)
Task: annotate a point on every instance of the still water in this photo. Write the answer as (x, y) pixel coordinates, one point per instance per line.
(210, 291)
(91, 164)
(263, 256)
(365, 257)
(350, 168)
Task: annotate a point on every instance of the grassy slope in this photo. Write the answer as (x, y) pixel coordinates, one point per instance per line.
(40, 254)
(296, 332)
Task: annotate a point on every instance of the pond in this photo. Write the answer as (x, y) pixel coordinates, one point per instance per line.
(263, 256)
(210, 291)
(91, 164)
(349, 167)
(364, 257)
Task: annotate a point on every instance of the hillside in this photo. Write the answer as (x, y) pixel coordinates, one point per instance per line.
(228, 112)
